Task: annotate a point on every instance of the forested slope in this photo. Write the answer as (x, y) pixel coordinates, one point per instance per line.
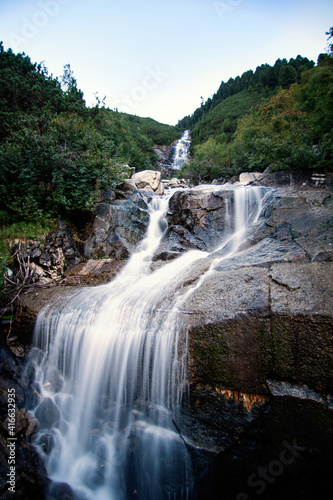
(278, 117)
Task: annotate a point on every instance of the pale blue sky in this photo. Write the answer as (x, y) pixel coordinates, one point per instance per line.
(157, 58)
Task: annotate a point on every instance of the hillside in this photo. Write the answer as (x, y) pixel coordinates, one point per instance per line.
(263, 80)
(278, 117)
(222, 118)
(57, 154)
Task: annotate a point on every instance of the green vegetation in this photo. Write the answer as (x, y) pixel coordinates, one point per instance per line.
(279, 117)
(159, 133)
(221, 121)
(56, 154)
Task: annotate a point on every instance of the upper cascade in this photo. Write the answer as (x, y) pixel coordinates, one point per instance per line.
(182, 147)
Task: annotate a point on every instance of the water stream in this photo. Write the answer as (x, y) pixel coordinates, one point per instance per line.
(114, 368)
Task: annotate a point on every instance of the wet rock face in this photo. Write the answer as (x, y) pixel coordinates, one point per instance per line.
(260, 336)
(165, 154)
(118, 227)
(305, 217)
(296, 219)
(47, 413)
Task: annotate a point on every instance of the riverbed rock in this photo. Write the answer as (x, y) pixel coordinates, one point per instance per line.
(294, 178)
(160, 189)
(174, 182)
(93, 272)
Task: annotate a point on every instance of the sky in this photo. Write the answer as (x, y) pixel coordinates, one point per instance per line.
(160, 58)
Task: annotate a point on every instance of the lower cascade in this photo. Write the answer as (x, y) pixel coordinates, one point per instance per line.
(111, 367)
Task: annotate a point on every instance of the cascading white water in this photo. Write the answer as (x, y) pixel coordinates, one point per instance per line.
(121, 351)
(181, 151)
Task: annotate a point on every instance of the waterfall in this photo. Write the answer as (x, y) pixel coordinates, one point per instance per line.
(118, 354)
(182, 147)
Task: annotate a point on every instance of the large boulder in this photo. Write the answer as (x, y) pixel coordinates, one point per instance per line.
(146, 178)
(249, 177)
(196, 217)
